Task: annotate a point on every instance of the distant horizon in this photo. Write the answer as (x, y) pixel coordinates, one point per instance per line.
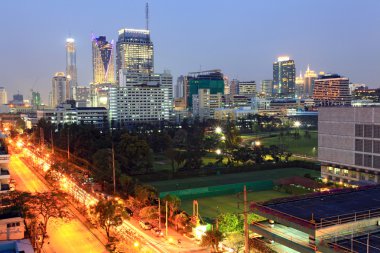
(243, 40)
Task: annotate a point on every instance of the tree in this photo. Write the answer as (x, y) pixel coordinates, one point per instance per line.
(180, 138)
(110, 213)
(180, 219)
(234, 240)
(149, 213)
(230, 222)
(145, 194)
(242, 154)
(212, 238)
(174, 204)
(41, 208)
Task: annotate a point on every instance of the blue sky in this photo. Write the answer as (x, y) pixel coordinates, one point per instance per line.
(241, 37)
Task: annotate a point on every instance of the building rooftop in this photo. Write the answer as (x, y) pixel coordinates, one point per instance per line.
(327, 208)
(361, 243)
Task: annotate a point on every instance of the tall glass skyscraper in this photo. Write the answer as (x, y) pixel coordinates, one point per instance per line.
(71, 66)
(134, 52)
(102, 61)
(284, 77)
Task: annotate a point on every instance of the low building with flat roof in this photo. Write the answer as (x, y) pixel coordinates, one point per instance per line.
(325, 222)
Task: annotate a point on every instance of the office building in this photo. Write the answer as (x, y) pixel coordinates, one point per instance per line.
(354, 86)
(18, 99)
(141, 98)
(234, 87)
(99, 94)
(71, 67)
(3, 96)
(60, 89)
(309, 81)
(247, 88)
(103, 70)
(300, 82)
(205, 103)
(180, 87)
(210, 79)
(363, 93)
(349, 144)
(66, 113)
(134, 52)
(267, 87)
(331, 90)
(226, 85)
(284, 77)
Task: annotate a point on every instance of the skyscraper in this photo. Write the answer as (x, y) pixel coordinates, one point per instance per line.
(300, 82)
(102, 61)
(3, 96)
(60, 89)
(134, 52)
(71, 67)
(309, 79)
(36, 99)
(332, 90)
(284, 77)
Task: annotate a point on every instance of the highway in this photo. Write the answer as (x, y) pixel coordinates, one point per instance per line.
(72, 236)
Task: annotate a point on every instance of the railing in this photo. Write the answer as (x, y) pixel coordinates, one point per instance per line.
(346, 218)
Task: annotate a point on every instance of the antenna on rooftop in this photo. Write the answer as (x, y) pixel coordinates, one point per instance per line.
(147, 16)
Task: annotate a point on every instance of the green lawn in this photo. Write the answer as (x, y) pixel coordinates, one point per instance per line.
(302, 145)
(194, 182)
(212, 206)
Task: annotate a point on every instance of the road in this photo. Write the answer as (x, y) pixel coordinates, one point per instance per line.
(72, 236)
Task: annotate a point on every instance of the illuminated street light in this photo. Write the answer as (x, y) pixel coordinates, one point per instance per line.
(218, 130)
(223, 138)
(136, 244)
(257, 143)
(297, 124)
(218, 151)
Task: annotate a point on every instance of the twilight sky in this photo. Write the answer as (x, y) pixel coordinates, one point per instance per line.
(241, 37)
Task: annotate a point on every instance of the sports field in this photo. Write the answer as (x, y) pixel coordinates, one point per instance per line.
(212, 206)
(195, 182)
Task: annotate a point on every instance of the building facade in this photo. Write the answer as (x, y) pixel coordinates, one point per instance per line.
(134, 52)
(103, 68)
(349, 144)
(211, 79)
(141, 98)
(205, 103)
(267, 87)
(71, 67)
(60, 89)
(309, 82)
(3, 96)
(247, 88)
(284, 77)
(331, 90)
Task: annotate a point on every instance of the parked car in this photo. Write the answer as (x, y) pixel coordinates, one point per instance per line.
(128, 211)
(145, 225)
(157, 232)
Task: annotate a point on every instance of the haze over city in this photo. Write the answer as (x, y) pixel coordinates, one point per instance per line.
(242, 38)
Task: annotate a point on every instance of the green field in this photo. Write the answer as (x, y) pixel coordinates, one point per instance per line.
(300, 146)
(195, 182)
(212, 206)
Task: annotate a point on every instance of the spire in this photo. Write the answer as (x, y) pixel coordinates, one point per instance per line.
(308, 67)
(147, 16)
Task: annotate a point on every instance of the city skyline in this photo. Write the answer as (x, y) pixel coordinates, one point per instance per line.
(178, 46)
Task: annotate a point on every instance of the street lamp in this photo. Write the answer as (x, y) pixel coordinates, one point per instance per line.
(218, 130)
(257, 143)
(218, 151)
(297, 124)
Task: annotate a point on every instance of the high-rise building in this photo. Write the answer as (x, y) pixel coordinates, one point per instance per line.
(284, 77)
(71, 67)
(300, 82)
(179, 88)
(36, 99)
(210, 79)
(60, 89)
(309, 80)
(102, 60)
(234, 87)
(226, 85)
(247, 88)
(205, 103)
(141, 98)
(3, 96)
(332, 90)
(134, 52)
(267, 87)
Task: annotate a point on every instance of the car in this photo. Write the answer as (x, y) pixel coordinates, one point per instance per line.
(145, 225)
(157, 232)
(128, 211)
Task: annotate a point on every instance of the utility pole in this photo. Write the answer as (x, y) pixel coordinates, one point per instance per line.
(113, 170)
(246, 234)
(159, 213)
(166, 218)
(52, 141)
(68, 144)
